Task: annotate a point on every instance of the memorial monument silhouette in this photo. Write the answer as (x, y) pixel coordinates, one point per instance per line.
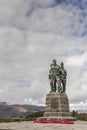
(57, 103)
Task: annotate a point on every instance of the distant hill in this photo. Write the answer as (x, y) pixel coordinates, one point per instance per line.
(82, 111)
(17, 111)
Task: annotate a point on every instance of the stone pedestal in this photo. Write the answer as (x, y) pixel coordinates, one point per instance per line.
(57, 107)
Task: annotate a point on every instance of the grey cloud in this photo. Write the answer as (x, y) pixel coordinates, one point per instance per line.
(28, 16)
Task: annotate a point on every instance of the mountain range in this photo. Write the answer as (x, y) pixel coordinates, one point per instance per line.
(17, 111)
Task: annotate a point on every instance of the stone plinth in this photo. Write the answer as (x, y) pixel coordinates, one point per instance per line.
(57, 107)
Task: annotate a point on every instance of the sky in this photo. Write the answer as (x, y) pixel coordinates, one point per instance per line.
(32, 34)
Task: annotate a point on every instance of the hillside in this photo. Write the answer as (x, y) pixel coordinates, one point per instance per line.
(17, 111)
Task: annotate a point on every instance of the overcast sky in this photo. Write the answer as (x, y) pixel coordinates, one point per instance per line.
(32, 34)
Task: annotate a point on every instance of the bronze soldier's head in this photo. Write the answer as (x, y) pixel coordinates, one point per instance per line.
(62, 64)
(54, 61)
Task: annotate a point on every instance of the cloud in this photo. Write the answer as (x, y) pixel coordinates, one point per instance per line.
(82, 59)
(32, 33)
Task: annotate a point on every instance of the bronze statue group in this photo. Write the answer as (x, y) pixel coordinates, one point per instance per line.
(57, 77)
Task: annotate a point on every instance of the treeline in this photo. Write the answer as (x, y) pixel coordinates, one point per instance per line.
(29, 117)
(79, 116)
(35, 115)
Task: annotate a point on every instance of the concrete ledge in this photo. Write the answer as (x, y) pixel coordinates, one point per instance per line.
(58, 118)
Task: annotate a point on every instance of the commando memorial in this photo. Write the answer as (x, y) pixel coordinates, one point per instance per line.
(57, 103)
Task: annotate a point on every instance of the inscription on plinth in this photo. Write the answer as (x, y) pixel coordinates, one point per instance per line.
(54, 103)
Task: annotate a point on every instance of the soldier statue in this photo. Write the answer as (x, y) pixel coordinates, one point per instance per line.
(57, 77)
(54, 76)
(63, 76)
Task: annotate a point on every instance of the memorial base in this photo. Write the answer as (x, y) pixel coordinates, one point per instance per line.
(54, 118)
(57, 108)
